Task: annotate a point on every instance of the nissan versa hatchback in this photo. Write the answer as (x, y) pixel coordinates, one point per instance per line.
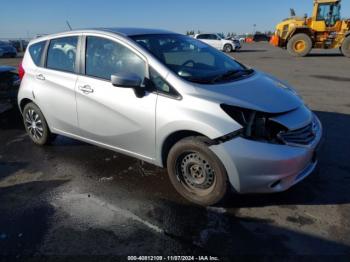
(172, 101)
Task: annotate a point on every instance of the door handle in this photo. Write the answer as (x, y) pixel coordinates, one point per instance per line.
(40, 77)
(86, 89)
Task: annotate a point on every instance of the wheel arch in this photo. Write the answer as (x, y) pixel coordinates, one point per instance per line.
(24, 102)
(173, 138)
(300, 30)
(231, 44)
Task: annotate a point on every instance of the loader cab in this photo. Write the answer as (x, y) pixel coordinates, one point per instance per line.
(326, 15)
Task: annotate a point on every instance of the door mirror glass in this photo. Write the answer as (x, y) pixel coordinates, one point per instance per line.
(126, 80)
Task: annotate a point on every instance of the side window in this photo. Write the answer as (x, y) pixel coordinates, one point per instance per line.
(36, 51)
(213, 37)
(323, 12)
(161, 85)
(105, 57)
(201, 37)
(61, 54)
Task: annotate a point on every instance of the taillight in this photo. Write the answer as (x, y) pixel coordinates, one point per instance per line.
(21, 71)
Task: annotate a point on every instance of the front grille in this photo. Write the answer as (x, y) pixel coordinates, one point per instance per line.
(302, 136)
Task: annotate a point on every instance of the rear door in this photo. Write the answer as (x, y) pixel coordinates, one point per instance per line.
(216, 41)
(114, 116)
(205, 38)
(55, 84)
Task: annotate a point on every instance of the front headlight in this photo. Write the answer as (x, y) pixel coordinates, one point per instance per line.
(255, 125)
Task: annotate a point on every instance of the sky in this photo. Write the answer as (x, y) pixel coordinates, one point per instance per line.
(27, 18)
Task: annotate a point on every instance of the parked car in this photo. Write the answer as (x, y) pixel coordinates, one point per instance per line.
(7, 50)
(261, 38)
(18, 44)
(218, 42)
(172, 101)
(9, 84)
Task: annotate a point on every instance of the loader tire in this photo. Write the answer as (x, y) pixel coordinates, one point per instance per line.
(345, 48)
(299, 45)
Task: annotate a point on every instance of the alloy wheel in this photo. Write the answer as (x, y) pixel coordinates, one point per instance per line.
(34, 124)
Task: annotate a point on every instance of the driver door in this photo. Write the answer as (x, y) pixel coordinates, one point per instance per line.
(216, 41)
(113, 116)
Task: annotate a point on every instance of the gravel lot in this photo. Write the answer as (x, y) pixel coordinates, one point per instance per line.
(75, 199)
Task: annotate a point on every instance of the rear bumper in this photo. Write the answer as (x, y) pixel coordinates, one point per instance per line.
(258, 167)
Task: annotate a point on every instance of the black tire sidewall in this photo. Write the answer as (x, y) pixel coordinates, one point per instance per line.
(295, 38)
(46, 132)
(226, 48)
(194, 144)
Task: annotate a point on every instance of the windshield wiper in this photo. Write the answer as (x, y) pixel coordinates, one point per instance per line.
(231, 74)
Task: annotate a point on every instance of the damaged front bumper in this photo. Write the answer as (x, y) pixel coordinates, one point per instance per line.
(260, 167)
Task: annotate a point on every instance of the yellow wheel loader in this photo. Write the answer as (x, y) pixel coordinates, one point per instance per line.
(324, 30)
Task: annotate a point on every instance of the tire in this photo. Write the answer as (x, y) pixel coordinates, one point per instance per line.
(345, 47)
(196, 172)
(299, 45)
(36, 125)
(228, 48)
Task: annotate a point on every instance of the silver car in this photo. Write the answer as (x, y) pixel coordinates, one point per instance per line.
(172, 101)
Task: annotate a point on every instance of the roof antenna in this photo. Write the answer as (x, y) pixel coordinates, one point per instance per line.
(70, 28)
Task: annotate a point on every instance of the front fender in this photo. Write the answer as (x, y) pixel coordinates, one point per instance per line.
(190, 114)
(297, 30)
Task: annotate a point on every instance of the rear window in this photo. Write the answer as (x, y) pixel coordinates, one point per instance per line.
(36, 51)
(62, 53)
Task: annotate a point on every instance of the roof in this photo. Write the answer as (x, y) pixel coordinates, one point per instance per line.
(123, 31)
(134, 31)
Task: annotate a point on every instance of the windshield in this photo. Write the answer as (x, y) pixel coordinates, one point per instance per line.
(191, 59)
(330, 13)
(222, 36)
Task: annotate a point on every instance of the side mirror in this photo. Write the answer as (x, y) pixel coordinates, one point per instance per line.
(128, 80)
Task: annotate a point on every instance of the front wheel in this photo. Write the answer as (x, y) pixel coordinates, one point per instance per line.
(196, 172)
(36, 125)
(345, 48)
(299, 45)
(228, 48)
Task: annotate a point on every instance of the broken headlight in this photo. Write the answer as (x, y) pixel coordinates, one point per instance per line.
(256, 125)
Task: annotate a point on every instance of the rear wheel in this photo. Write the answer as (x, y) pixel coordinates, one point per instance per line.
(299, 45)
(345, 48)
(36, 125)
(228, 48)
(196, 172)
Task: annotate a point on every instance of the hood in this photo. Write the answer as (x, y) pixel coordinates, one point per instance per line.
(258, 92)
